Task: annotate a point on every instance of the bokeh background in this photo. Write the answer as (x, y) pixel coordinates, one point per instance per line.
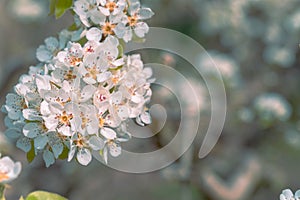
(255, 45)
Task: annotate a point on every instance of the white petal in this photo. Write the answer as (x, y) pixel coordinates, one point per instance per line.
(61, 56)
(137, 98)
(118, 62)
(71, 153)
(108, 133)
(65, 130)
(45, 108)
(87, 93)
(146, 118)
(94, 34)
(145, 13)
(120, 30)
(31, 114)
(123, 112)
(104, 76)
(105, 155)
(96, 143)
(105, 11)
(51, 43)
(84, 156)
(127, 35)
(287, 193)
(115, 150)
(51, 122)
(141, 29)
(116, 97)
(43, 54)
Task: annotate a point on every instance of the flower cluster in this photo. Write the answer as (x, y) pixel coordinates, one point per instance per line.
(9, 170)
(80, 98)
(272, 106)
(121, 18)
(287, 194)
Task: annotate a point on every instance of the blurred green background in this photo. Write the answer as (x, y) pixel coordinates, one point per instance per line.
(254, 43)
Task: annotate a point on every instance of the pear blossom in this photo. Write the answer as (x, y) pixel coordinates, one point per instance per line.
(134, 23)
(272, 106)
(46, 52)
(80, 97)
(287, 194)
(88, 12)
(83, 145)
(119, 18)
(9, 170)
(112, 7)
(112, 143)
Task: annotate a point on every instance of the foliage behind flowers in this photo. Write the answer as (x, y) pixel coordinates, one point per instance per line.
(81, 95)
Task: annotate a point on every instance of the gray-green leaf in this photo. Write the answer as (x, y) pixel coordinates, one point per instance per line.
(41, 195)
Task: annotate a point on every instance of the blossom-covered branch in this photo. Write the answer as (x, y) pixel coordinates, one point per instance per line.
(82, 94)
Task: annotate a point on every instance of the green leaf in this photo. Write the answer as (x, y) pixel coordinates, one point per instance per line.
(64, 154)
(31, 153)
(52, 7)
(2, 188)
(61, 6)
(82, 41)
(41, 195)
(137, 39)
(73, 27)
(121, 50)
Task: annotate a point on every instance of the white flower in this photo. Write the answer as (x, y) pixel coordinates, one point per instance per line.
(46, 52)
(112, 7)
(112, 143)
(271, 106)
(136, 13)
(14, 106)
(82, 95)
(72, 56)
(64, 119)
(94, 34)
(88, 12)
(84, 145)
(9, 170)
(287, 194)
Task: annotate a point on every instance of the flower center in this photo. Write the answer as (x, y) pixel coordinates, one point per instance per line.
(73, 60)
(102, 97)
(115, 80)
(65, 118)
(84, 120)
(92, 72)
(111, 6)
(3, 176)
(69, 75)
(107, 29)
(101, 122)
(80, 141)
(89, 49)
(132, 20)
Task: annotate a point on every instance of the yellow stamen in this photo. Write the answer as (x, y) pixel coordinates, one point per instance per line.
(107, 29)
(101, 122)
(132, 20)
(111, 6)
(3, 176)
